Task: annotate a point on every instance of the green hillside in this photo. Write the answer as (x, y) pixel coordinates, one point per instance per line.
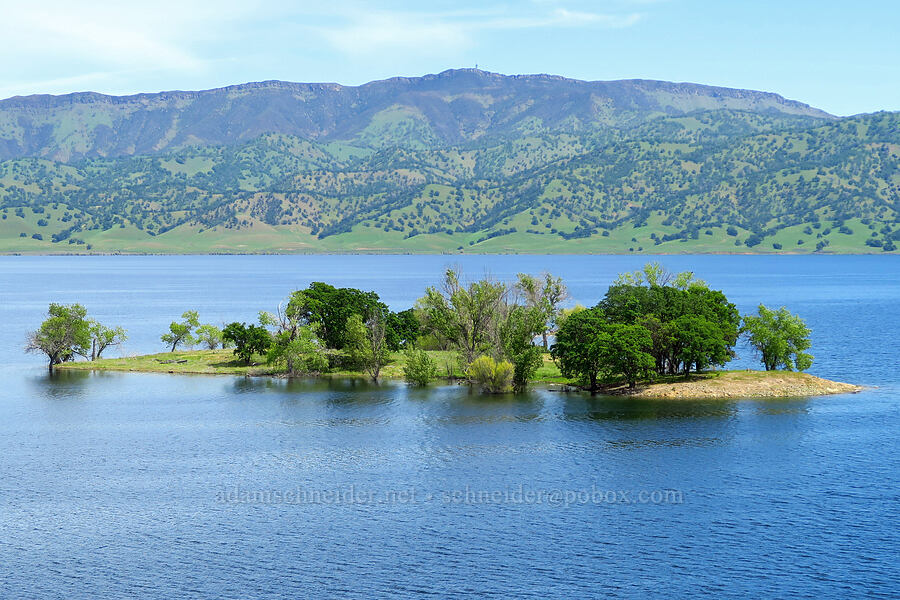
(718, 180)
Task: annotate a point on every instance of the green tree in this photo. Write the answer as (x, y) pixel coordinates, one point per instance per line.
(418, 368)
(517, 333)
(467, 316)
(367, 343)
(330, 307)
(403, 329)
(301, 351)
(578, 349)
(780, 337)
(545, 292)
(103, 337)
(247, 340)
(624, 351)
(180, 331)
(209, 336)
(697, 342)
(65, 333)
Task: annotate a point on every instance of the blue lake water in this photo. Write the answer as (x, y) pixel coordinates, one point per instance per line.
(141, 485)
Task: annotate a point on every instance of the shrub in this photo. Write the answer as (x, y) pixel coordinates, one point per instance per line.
(493, 377)
(420, 368)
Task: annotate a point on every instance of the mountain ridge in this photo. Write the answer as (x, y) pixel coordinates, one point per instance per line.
(454, 107)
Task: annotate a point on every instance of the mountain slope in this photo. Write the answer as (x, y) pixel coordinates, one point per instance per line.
(450, 108)
(461, 161)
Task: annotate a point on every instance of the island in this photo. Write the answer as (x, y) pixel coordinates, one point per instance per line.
(654, 334)
(719, 384)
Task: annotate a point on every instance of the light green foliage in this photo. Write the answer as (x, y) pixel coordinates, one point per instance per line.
(517, 333)
(780, 337)
(546, 293)
(103, 337)
(419, 368)
(466, 316)
(65, 333)
(180, 331)
(654, 274)
(494, 377)
(300, 350)
(367, 343)
(208, 336)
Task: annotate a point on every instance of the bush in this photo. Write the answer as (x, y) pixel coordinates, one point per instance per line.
(420, 368)
(493, 377)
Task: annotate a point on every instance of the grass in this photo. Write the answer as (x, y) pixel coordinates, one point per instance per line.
(712, 384)
(223, 362)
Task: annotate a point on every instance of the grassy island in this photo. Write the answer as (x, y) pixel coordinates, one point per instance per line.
(711, 384)
(654, 334)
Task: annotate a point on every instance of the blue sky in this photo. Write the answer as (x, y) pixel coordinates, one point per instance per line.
(843, 57)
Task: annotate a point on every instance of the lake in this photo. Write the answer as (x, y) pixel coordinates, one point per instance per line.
(143, 485)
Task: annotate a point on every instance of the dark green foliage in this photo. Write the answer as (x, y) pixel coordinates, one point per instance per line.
(403, 329)
(329, 308)
(578, 349)
(247, 339)
(678, 318)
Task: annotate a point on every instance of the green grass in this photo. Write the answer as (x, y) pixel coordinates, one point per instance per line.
(223, 362)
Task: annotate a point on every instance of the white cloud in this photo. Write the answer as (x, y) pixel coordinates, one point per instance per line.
(361, 32)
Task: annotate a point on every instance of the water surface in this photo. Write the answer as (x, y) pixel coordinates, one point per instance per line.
(121, 485)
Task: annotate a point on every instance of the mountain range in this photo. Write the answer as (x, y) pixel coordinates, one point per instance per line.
(461, 161)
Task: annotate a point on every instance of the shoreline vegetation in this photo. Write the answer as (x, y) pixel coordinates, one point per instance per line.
(707, 385)
(653, 334)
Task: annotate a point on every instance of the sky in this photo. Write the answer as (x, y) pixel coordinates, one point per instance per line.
(842, 57)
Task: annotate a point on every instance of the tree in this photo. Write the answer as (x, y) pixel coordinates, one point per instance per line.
(697, 342)
(367, 343)
(780, 337)
(65, 333)
(466, 316)
(209, 336)
(247, 340)
(301, 351)
(545, 292)
(330, 307)
(517, 333)
(180, 331)
(578, 348)
(624, 352)
(588, 347)
(403, 329)
(103, 337)
(419, 368)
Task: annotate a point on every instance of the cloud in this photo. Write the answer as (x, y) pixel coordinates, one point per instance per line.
(361, 32)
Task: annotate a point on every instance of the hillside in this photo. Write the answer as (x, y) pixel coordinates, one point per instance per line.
(460, 161)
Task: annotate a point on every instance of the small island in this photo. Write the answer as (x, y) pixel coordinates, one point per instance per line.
(706, 385)
(654, 334)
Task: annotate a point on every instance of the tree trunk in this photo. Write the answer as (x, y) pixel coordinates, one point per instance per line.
(93, 350)
(544, 335)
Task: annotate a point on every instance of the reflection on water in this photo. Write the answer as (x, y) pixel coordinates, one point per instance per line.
(111, 483)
